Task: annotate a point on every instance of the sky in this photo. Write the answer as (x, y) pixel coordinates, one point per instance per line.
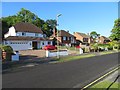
(81, 17)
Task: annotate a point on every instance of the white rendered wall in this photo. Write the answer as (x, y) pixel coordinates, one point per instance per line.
(29, 34)
(45, 43)
(54, 54)
(11, 32)
(20, 45)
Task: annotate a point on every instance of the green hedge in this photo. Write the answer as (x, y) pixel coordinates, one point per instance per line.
(6, 48)
(9, 52)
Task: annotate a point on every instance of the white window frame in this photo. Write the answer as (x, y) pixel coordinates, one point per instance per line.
(68, 38)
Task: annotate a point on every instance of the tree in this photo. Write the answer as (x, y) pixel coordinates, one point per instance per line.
(52, 23)
(94, 35)
(4, 28)
(116, 30)
(25, 15)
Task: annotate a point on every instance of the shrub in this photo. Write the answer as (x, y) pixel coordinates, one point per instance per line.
(9, 52)
(6, 48)
(87, 49)
(94, 46)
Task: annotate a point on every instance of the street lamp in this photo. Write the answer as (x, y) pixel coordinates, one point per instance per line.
(57, 34)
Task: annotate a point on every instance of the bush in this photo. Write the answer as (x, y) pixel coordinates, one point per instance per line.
(87, 50)
(6, 48)
(94, 46)
(9, 52)
(115, 44)
(110, 48)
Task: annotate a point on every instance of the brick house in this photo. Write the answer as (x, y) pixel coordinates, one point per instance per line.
(83, 38)
(64, 37)
(103, 40)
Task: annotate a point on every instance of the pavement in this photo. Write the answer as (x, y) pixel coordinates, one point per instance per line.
(72, 74)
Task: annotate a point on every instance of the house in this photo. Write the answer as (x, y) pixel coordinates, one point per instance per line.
(64, 37)
(83, 39)
(24, 36)
(103, 40)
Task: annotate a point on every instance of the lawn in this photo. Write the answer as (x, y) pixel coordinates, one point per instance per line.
(104, 85)
(71, 58)
(106, 52)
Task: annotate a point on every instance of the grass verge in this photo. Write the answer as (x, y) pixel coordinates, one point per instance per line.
(106, 52)
(104, 85)
(71, 58)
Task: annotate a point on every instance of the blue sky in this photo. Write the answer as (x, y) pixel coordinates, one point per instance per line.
(76, 16)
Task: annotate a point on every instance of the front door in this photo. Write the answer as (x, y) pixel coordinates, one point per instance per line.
(34, 45)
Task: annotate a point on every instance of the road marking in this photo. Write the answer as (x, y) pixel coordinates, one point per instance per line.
(100, 78)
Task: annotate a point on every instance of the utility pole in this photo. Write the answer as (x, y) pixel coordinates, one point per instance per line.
(57, 35)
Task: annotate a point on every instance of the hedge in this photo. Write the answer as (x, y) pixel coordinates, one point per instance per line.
(6, 48)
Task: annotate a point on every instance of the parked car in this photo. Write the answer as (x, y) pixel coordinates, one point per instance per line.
(49, 47)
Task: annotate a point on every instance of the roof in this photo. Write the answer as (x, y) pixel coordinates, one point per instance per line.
(27, 27)
(105, 38)
(21, 38)
(65, 33)
(83, 35)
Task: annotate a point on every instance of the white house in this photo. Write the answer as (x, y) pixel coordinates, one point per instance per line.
(24, 36)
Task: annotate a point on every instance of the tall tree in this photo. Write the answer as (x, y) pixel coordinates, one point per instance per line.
(116, 30)
(52, 23)
(25, 15)
(94, 34)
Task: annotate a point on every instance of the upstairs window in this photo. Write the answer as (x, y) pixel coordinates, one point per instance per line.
(64, 38)
(23, 34)
(36, 34)
(85, 39)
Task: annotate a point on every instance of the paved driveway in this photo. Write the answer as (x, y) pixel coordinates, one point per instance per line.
(38, 53)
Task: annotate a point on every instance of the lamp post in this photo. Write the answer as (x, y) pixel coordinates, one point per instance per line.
(57, 34)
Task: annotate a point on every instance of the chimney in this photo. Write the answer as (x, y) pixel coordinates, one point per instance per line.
(68, 31)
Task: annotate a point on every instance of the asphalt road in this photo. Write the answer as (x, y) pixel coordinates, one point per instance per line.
(73, 74)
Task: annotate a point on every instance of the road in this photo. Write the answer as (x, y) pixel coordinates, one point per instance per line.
(72, 74)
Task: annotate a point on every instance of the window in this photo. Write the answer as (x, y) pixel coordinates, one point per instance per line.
(23, 33)
(43, 43)
(30, 44)
(64, 38)
(85, 39)
(36, 34)
(69, 38)
(48, 42)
